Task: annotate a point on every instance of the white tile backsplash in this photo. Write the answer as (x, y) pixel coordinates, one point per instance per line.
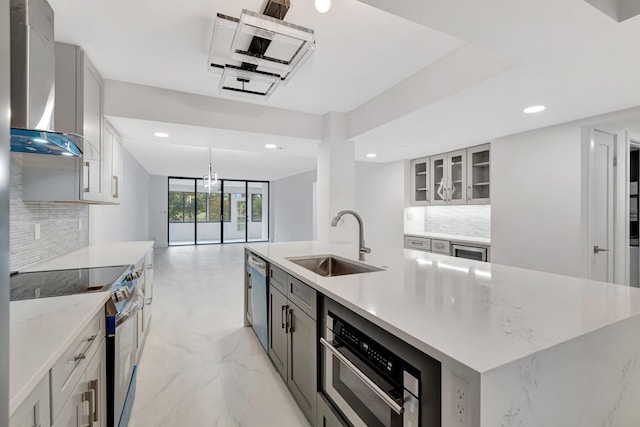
(470, 221)
(59, 231)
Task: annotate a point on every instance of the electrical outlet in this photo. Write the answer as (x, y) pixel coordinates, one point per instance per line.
(459, 400)
(36, 231)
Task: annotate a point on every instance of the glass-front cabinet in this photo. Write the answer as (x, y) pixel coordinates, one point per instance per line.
(448, 178)
(478, 175)
(420, 194)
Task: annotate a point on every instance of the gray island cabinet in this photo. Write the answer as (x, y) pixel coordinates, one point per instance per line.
(516, 347)
(293, 336)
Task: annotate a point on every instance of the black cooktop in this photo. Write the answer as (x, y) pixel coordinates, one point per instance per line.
(55, 283)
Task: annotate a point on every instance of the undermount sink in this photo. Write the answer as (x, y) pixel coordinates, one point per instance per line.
(330, 265)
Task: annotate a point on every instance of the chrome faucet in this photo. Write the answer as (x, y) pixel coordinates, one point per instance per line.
(362, 250)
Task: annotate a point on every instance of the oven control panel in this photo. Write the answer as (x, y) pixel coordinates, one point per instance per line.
(373, 352)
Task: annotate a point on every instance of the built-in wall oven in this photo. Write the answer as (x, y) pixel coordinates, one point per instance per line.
(477, 253)
(374, 379)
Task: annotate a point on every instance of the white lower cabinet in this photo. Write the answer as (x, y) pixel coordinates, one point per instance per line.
(35, 410)
(86, 407)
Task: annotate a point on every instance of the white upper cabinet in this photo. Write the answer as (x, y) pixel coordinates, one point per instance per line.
(448, 178)
(455, 178)
(112, 164)
(479, 174)
(420, 194)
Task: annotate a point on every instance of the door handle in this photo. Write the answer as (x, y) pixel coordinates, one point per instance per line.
(597, 249)
(87, 187)
(282, 311)
(93, 386)
(290, 319)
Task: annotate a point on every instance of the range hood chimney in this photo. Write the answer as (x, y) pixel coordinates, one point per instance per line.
(33, 82)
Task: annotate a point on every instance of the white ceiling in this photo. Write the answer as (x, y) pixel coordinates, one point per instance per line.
(237, 155)
(360, 50)
(574, 59)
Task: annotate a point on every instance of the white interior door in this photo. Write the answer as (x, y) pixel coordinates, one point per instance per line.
(601, 190)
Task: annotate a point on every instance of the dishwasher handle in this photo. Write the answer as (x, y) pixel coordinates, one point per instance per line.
(258, 264)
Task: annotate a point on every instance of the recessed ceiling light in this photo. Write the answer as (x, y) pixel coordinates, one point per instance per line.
(161, 134)
(323, 6)
(534, 109)
(371, 155)
(270, 146)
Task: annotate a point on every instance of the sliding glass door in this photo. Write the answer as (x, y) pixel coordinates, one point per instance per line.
(232, 211)
(210, 213)
(257, 214)
(182, 208)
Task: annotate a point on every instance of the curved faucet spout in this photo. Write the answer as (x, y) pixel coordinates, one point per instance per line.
(362, 250)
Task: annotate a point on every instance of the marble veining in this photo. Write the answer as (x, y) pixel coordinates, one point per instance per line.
(494, 314)
(591, 381)
(200, 365)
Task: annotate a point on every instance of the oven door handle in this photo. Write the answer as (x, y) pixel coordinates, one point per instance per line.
(373, 386)
(128, 313)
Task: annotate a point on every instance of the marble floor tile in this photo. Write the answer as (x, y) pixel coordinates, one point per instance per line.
(200, 366)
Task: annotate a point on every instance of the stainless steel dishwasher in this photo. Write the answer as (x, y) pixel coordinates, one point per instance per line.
(258, 296)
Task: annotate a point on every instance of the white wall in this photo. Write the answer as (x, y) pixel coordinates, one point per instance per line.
(537, 216)
(158, 202)
(292, 207)
(129, 220)
(380, 189)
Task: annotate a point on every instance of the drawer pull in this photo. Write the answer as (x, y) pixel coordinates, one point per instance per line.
(83, 355)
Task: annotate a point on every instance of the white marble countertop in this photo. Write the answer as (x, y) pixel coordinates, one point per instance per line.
(41, 330)
(452, 237)
(103, 255)
(480, 314)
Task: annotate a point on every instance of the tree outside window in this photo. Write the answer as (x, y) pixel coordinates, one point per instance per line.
(181, 206)
(256, 207)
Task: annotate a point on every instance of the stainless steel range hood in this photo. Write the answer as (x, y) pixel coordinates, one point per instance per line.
(33, 82)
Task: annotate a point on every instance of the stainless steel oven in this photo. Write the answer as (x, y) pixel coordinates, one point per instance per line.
(370, 384)
(122, 342)
(477, 253)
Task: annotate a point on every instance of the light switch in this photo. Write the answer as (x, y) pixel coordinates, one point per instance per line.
(36, 229)
(79, 223)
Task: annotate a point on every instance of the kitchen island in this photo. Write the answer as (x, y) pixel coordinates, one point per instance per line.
(536, 349)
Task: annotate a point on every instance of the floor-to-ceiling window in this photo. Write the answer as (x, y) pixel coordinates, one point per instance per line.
(231, 211)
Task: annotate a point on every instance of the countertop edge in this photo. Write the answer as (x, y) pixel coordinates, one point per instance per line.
(81, 257)
(16, 400)
(484, 241)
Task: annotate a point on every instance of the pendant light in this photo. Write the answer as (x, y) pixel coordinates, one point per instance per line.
(211, 178)
(323, 6)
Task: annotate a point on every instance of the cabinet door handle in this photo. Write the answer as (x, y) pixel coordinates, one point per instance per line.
(89, 397)
(282, 310)
(469, 192)
(116, 181)
(290, 319)
(87, 187)
(36, 415)
(93, 386)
